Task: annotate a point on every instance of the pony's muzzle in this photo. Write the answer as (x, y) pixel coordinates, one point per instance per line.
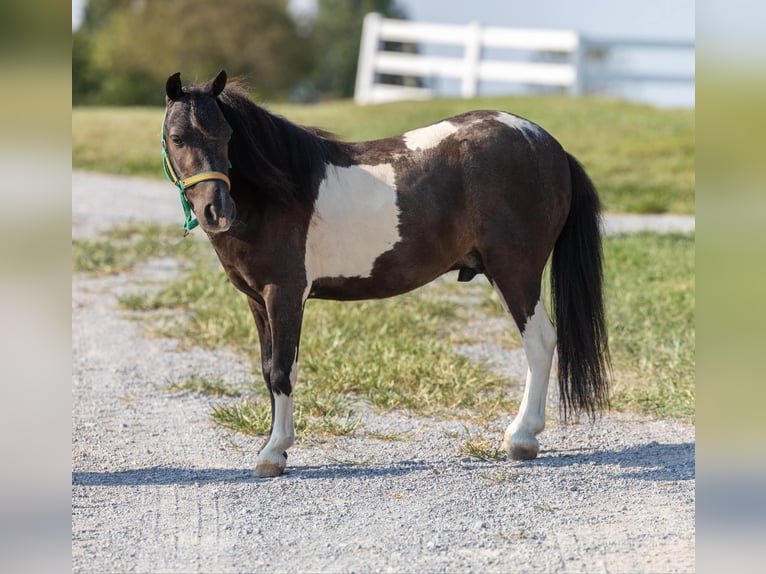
(218, 215)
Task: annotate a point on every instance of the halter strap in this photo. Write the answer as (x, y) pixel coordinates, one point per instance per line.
(190, 222)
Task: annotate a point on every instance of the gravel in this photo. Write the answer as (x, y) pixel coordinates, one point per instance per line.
(156, 487)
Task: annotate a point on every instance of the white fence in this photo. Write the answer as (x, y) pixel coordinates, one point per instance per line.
(563, 65)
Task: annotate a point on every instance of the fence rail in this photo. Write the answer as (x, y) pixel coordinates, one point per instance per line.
(565, 66)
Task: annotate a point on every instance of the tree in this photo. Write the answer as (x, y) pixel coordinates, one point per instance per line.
(133, 45)
(336, 34)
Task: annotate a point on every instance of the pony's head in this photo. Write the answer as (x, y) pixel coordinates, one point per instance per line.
(195, 142)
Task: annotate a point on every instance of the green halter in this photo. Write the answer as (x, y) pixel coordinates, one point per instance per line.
(190, 222)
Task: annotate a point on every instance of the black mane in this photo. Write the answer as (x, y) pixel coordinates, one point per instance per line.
(270, 155)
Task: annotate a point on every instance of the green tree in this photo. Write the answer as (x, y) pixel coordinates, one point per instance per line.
(133, 45)
(336, 34)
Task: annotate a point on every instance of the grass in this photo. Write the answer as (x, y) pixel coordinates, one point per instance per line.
(397, 353)
(650, 307)
(480, 447)
(120, 248)
(312, 416)
(210, 386)
(650, 299)
(642, 159)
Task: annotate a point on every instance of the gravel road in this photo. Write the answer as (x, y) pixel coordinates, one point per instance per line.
(157, 488)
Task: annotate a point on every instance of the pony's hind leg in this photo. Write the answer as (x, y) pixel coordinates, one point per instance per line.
(539, 341)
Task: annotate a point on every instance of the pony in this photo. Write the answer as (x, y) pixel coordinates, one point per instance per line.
(295, 213)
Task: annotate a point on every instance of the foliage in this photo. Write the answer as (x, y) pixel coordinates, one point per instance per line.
(336, 35)
(125, 50)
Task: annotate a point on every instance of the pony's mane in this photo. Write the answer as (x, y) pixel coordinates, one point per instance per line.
(272, 156)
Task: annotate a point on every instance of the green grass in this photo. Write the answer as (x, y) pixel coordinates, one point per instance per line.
(120, 248)
(313, 416)
(642, 159)
(480, 447)
(397, 353)
(650, 308)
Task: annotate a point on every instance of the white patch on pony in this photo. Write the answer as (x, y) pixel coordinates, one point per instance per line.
(539, 341)
(528, 129)
(284, 432)
(271, 460)
(429, 136)
(355, 221)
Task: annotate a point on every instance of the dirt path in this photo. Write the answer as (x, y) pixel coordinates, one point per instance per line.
(157, 488)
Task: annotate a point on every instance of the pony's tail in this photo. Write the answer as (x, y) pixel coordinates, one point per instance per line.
(577, 295)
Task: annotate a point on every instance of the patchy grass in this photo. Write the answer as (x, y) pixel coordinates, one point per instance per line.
(641, 158)
(389, 437)
(328, 417)
(480, 447)
(397, 353)
(515, 536)
(122, 247)
(211, 386)
(650, 299)
(500, 476)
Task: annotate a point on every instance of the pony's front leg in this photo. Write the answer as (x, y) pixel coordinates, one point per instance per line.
(285, 313)
(258, 309)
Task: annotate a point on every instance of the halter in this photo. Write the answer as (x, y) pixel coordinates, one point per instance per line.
(183, 184)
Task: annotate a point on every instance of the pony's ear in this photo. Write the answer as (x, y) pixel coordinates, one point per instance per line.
(219, 83)
(173, 86)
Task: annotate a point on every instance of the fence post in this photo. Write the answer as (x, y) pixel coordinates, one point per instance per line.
(579, 87)
(368, 50)
(469, 84)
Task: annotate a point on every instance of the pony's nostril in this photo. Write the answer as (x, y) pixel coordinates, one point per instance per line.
(211, 215)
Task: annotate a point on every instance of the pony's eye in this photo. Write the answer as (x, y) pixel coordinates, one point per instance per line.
(177, 141)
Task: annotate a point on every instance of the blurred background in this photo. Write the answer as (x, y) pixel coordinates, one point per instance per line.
(307, 50)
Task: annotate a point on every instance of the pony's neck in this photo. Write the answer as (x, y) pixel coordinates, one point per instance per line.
(278, 159)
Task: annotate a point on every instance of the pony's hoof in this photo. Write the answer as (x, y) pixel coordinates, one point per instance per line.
(524, 449)
(268, 469)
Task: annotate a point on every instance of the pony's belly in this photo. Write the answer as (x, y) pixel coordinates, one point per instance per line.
(359, 288)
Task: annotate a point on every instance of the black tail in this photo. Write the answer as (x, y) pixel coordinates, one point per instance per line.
(576, 286)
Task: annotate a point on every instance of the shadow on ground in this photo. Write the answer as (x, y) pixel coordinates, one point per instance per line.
(651, 461)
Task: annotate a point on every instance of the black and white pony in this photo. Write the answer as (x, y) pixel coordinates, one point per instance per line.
(294, 213)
